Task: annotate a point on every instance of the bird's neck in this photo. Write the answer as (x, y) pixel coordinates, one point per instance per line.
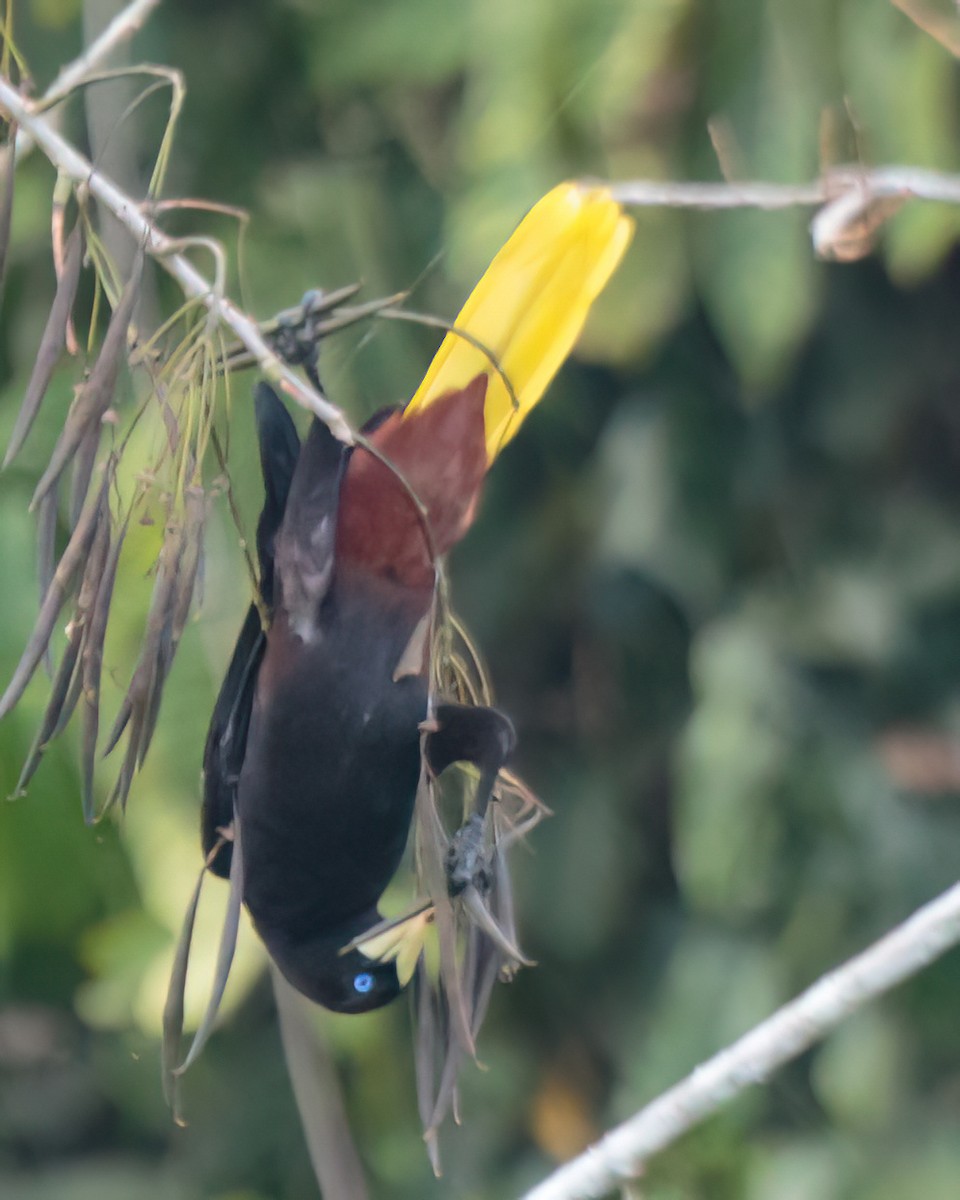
(395, 520)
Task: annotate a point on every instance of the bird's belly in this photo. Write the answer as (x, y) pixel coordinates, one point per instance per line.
(328, 785)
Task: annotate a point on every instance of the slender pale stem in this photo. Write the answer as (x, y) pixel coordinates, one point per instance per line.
(621, 1154)
(156, 243)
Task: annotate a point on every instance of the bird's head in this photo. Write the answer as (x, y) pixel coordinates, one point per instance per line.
(352, 983)
(332, 970)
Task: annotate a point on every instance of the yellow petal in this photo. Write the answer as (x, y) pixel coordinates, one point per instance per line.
(530, 305)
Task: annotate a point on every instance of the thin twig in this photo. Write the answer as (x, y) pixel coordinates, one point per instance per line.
(156, 243)
(650, 194)
(935, 24)
(123, 26)
(839, 181)
(620, 1155)
(850, 199)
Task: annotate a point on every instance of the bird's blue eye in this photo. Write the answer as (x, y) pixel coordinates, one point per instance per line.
(363, 982)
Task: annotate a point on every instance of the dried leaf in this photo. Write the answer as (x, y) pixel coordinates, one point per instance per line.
(51, 344)
(96, 395)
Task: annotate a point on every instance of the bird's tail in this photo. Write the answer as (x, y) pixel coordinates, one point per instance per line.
(529, 307)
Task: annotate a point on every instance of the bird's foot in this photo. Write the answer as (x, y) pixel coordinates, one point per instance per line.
(467, 859)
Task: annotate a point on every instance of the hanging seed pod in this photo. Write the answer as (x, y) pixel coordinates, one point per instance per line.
(67, 690)
(173, 1008)
(51, 344)
(47, 541)
(47, 552)
(96, 394)
(225, 952)
(134, 715)
(83, 463)
(92, 667)
(59, 692)
(431, 851)
(160, 635)
(89, 587)
(121, 789)
(73, 558)
(193, 522)
(185, 576)
(427, 1036)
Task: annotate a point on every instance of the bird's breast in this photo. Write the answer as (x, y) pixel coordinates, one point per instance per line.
(333, 758)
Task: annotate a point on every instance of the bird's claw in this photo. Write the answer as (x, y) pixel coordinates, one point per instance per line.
(467, 859)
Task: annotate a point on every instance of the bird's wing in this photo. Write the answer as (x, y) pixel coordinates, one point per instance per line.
(227, 737)
(306, 539)
(279, 451)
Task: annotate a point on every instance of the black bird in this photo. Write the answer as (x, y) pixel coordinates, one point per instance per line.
(314, 751)
(314, 745)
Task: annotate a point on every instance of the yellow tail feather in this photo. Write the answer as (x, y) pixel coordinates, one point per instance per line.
(530, 305)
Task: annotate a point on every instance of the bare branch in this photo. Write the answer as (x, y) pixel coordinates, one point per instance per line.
(851, 200)
(839, 181)
(620, 1156)
(156, 243)
(123, 26)
(649, 194)
(941, 28)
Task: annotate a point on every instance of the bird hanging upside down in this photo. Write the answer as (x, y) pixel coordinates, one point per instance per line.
(328, 710)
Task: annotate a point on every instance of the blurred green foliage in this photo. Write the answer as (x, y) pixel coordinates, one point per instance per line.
(717, 580)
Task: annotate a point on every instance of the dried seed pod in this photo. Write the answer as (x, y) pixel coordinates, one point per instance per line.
(74, 556)
(173, 1008)
(92, 665)
(59, 691)
(51, 343)
(83, 464)
(160, 645)
(188, 567)
(228, 944)
(47, 541)
(96, 395)
(140, 705)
